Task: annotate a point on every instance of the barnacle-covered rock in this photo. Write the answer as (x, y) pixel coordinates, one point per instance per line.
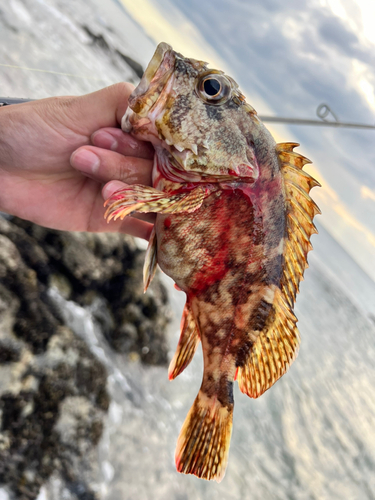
(53, 395)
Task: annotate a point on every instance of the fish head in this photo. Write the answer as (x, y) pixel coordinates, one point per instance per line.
(195, 113)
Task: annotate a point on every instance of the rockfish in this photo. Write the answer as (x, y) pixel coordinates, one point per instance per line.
(233, 227)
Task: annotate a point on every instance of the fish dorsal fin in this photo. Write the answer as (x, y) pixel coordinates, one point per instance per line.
(273, 352)
(300, 212)
(277, 344)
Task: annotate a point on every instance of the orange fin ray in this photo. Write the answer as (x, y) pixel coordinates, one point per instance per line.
(277, 345)
(299, 198)
(301, 210)
(203, 443)
(145, 199)
(187, 345)
(301, 177)
(151, 260)
(287, 156)
(272, 353)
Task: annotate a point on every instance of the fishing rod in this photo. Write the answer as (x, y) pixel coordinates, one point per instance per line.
(6, 101)
(323, 110)
(301, 121)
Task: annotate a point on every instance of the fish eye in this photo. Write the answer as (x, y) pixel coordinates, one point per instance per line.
(214, 88)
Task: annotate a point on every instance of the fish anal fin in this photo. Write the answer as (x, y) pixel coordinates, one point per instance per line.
(203, 444)
(145, 199)
(151, 260)
(187, 345)
(272, 353)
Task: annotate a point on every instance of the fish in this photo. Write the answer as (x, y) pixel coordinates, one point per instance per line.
(233, 225)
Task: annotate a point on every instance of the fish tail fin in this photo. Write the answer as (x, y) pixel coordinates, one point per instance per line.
(203, 443)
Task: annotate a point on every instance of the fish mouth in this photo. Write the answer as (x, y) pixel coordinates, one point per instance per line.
(154, 79)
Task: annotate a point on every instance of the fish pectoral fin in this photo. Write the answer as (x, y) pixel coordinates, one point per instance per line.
(151, 260)
(187, 345)
(144, 199)
(203, 444)
(272, 353)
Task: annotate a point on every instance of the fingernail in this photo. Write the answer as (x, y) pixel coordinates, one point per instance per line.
(104, 140)
(86, 161)
(111, 187)
(132, 143)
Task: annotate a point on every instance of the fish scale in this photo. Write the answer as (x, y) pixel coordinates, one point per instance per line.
(233, 227)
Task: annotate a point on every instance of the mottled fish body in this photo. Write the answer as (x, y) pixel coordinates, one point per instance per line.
(233, 228)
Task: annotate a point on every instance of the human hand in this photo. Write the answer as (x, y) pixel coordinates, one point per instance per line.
(41, 142)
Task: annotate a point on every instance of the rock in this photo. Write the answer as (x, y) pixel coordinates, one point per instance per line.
(105, 269)
(53, 395)
(36, 401)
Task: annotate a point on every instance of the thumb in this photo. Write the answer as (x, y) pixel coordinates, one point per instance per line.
(90, 112)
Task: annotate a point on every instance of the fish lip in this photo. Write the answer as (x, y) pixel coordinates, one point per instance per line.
(153, 80)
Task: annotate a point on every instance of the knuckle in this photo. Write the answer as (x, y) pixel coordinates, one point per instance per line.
(121, 89)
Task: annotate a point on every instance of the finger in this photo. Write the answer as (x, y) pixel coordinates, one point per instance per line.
(97, 223)
(103, 165)
(117, 140)
(132, 226)
(88, 113)
(111, 187)
(105, 107)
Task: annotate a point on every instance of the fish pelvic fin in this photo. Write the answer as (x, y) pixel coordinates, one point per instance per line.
(187, 345)
(273, 352)
(203, 444)
(277, 345)
(151, 260)
(145, 199)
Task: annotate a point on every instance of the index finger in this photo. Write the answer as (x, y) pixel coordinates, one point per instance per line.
(117, 140)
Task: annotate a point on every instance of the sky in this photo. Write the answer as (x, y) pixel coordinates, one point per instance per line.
(288, 57)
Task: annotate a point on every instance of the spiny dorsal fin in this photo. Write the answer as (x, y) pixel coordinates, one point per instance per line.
(301, 210)
(273, 352)
(187, 345)
(277, 345)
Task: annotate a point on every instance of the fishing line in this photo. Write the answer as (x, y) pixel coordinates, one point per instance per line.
(51, 72)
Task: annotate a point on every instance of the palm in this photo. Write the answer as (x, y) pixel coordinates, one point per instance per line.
(38, 181)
